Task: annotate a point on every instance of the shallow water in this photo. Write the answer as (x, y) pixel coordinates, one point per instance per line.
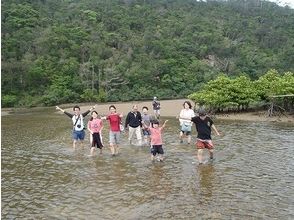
(44, 178)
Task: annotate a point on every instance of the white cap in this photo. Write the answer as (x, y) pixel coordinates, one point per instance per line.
(154, 97)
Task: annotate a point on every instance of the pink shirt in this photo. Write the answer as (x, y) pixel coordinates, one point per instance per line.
(95, 125)
(156, 136)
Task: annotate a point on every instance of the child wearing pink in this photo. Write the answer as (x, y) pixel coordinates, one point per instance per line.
(95, 126)
(156, 140)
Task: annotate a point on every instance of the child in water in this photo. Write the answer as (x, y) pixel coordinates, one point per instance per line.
(95, 126)
(203, 124)
(146, 118)
(156, 139)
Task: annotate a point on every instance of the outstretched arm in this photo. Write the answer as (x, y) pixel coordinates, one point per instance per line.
(164, 123)
(65, 112)
(103, 117)
(87, 112)
(60, 109)
(215, 130)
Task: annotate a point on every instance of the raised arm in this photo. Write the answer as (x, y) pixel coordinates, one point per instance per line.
(65, 112)
(87, 112)
(163, 126)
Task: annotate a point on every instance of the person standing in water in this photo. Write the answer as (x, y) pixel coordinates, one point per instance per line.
(203, 125)
(156, 107)
(186, 125)
(156, 139)
(146, 118)
(114, 129)
(78, 123)
(134, 123)
(95, 126)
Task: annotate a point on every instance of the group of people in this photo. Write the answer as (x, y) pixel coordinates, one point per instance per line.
(137, 123)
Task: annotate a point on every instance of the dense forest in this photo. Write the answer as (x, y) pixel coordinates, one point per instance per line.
(59, 51)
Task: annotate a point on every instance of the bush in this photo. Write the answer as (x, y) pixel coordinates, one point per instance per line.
(9, 100)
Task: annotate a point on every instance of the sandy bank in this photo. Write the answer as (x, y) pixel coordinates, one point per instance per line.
(172, 108)
(169, 108)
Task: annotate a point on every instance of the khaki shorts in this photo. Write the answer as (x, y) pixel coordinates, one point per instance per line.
(114, 137)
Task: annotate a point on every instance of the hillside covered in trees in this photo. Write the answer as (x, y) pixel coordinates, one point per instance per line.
(118, 50)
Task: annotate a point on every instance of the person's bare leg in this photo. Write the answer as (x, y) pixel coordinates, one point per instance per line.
(211, 154)
(74, 144)
(116, 149)
(200, 156)
(152, 157)
(189, 139)
(181, 137)
(112, 150)
(92, 152)
(82, 143)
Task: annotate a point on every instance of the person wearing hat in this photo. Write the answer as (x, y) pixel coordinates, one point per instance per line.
(204, 124)
(156, 107)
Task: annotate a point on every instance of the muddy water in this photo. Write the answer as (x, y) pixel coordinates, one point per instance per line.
(44, 178)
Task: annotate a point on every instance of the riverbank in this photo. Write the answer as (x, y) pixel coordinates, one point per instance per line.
(169, 108)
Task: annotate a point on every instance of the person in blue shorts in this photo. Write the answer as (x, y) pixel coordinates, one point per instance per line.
(77, 118)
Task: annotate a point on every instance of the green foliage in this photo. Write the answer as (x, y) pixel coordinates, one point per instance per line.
(226, 93)
(8, 100)
(125, 50)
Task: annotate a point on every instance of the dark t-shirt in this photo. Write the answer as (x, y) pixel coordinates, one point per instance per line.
(203, 127)
(134, 119)
(156, 105)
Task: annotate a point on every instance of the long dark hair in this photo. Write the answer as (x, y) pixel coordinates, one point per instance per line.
(91, 119)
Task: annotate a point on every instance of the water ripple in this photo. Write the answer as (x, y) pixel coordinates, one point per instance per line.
(44, 178)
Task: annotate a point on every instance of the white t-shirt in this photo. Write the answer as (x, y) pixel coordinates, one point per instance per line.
(186, 113)
(80, 123)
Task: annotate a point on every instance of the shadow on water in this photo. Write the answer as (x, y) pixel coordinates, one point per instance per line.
(43, 178)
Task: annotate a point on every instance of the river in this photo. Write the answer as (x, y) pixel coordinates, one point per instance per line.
(44, 178)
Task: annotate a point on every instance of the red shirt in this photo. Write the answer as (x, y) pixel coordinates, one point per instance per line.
(114, 121)
(156, 136)
(95, 125)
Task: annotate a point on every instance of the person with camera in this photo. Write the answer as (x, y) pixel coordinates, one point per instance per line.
(78, 123)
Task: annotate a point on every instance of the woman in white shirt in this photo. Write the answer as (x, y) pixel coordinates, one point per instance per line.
(186, 125)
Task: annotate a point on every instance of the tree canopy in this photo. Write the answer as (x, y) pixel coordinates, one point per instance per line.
(119, 50)
(224, 93)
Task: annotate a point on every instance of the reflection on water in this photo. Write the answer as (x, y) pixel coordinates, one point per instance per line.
(206, 182)
(43, 178)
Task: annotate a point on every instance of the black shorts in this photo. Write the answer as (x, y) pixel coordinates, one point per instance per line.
(156, 149)
(97, 140)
